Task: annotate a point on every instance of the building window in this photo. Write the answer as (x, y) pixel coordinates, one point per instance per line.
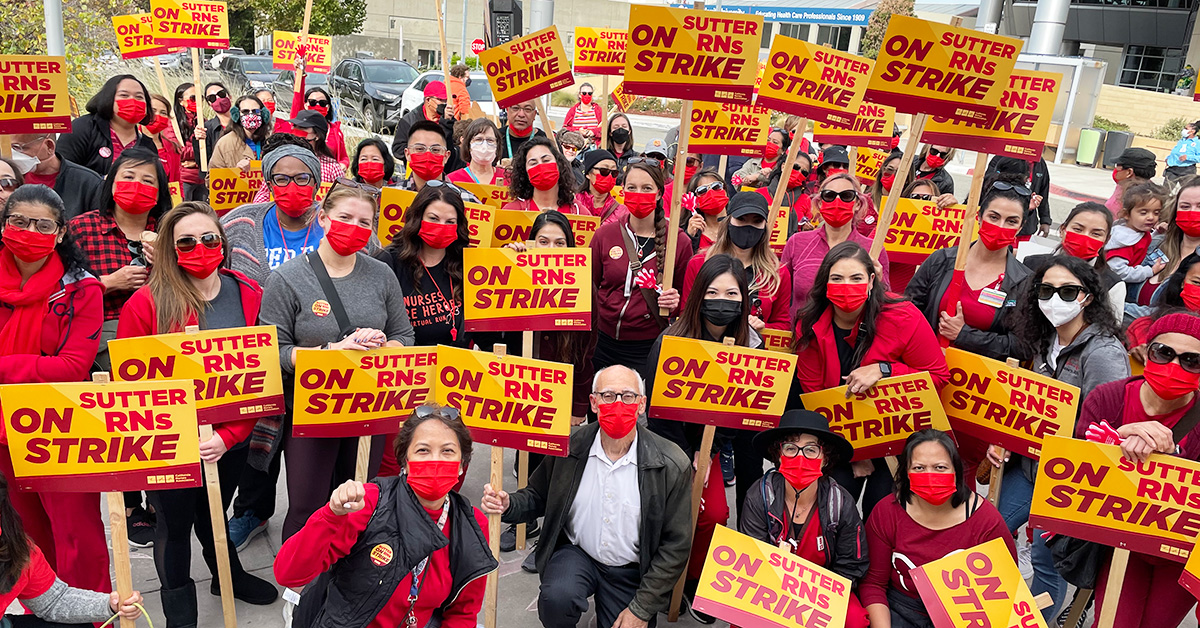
(766, 35)
(795, 31)
(1151, 68)
(1161, 4)
(429, 58)
(836, 36)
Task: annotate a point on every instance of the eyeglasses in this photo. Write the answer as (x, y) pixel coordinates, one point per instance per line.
(209, 240)
(478, 144)
(435, 183)
(921, 197)
(212, 98)
(609, 397)
(419, 149)
(192, 98)
(1162, 354)
(1004, 187)
(847, 196)
(694, 162)
(657, 163)
(797, 166)
(8, 185)
(525, 110)
(791, 450)
(351, 183)
(249, 112)
(1068, 293)
(282, 180)
(606, 172)
(450, 412)
(27, 145)
(938, 153)
(312, 102)
(704, 189)
(44, 226)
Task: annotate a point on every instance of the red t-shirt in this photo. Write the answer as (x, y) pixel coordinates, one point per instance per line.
(975, 313)
(812, 546)
(35, 579)
(462, 175)
(48, 180)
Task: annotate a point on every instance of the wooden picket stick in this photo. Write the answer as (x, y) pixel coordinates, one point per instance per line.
(362, 460)
(997, 473)
(1043, 600)
(785, 172)
(497, 482)
(721, 165)
(902, 172)
(1079, 607)
(6, 146)
(162, 85)
(547, 127)
(603, 139)
(685, 129)
(301, 38)
(968, 223)
(1112, 589)
(116, 522)
(445, 51)
(523, 456)
(200, 100)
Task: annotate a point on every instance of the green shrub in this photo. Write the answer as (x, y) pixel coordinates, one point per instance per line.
(1104, 124)
(1172, 130)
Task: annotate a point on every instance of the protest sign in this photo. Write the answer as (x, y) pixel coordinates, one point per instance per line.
(230, 188)
(135, 36)
(1090, 491)
(867, 162)
(815, 82)
(750, 583)
(1008, 406)
(921, 227)
(872, 128)
(600, 50)
(878, 421)
(512, 225)
(926, 67)
(779, 230)
(318, 52)
(495, 196)
(85, 437)
(540, 289)
(235, 371)
(191, 24)
(508, 401)
(777, 340)
(1190, 578)
(34, 98)
(1019, 127)
(360, 393)
(723, 385)
(176, 189)
(689, 54)
(621, 98)
(394, 204)
(527, 67)
(728, 129)
(981, 586)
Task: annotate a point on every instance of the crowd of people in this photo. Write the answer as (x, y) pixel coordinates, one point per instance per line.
(95, 248)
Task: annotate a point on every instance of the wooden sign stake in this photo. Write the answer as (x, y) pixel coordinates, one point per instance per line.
(997, 475)
(668, 264)
(6, 146)
(162, 85)
(200, 100)
(968, 223)
(362, 460)
(547, 127)
(523, 456)
(1112, 589)
(902, 172)
(497, 482)
(1079, 607)
(603, 139)
(120, 534)
(784, 172)
(721, 166)
(302, 37)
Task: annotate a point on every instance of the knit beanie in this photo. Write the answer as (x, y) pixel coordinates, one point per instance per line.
(1177, 322)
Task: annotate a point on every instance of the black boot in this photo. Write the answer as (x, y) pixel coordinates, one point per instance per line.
(179, 605)
(247, 588)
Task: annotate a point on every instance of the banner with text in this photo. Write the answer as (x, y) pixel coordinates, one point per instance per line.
(877, 422)
(135, 36)
(494, 196)
(779, 230)
(721, 128)
(527, 67)
(360, 393)
(815, 82)
(777, 340)
(394, 203)
(981, 587)
(1019, 127)
(867, 162)
(1190, 578)
(190, 24)
(318, 52)
(35, 98)
(600, 50)
(511, 225)
(230, 188)
(872, 128)
(921, 227)
(621, 98)
(540, 289)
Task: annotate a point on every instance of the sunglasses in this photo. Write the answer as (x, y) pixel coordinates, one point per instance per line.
(606, 172)
(212, 98)
(1068, 293)
(1004, 187)
(847, 196)
(1162, 354)
(351, 183)
(797, 166)
(209, 240)
(249, 112)
(317, 103)
(646, 160)
(938, 153)
(8, 185)
(704, 189)
(449, 412)
(585, 93)
(922, 197)
(694, 162)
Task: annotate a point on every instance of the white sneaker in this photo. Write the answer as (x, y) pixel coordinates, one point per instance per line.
(1025, 561)
(291, 599)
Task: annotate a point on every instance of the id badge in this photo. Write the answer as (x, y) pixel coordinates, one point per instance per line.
(992, 297)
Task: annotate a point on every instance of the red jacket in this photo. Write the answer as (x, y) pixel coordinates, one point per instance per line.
(140, 318)
(1106, 402)
(902, 337)
(623, 312)
(774, 308)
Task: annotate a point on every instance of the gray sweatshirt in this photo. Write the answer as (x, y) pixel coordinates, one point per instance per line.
(62, 604)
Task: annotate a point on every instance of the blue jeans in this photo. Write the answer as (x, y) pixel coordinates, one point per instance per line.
(1016, 495)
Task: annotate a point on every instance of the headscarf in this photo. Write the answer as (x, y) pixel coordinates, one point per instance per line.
(290, 150)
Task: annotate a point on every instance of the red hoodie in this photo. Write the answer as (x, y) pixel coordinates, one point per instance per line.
(774, 308)
(140, 318)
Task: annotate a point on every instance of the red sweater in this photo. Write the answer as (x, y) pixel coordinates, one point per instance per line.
(774, 308)
(897, 544)
(623, 312)
(1117, 403)
(140, 318)
(327, 538)
(902, 337)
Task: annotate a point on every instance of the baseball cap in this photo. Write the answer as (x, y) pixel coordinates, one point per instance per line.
(308, 119)
(435, 89)
(655, 147)
(747, 203)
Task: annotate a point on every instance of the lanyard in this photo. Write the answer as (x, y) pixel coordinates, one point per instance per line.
(472, 175)
(283, 236)
(418, 573)
(450, 304)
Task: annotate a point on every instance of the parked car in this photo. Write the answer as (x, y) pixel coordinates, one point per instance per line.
(243, 74)
(479, 89)
(370, 90)
(283, 85)
(171, 61)
(215, 62)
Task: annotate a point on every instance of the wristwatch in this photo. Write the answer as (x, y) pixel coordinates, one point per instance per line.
(885, 368)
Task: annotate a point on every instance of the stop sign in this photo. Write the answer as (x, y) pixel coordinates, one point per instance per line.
(477, 46)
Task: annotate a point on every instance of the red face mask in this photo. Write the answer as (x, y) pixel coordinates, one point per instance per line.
(189, 106)
(995, 237)
(293, 200)
(935, 161)
(1081, 245)
(712, 202)
(270, 105)
(688, 173)
(617, 418)
(1189, 222)
(837, 213)
(796, 179)
(427, 165)
(370, 171)
(847, 297)
(544, 176)
(346, 239)
(135, 197)
(799, 471)
(324, 111)
(770, 151)
(201, 261)
(159, 125)
(934, 488)
(605, 184)
(641, 204)
(886, 181)
(1115, 177)
(28, 246)
(131, 110)
(586, 99)
(1191, 296)
(438, 236)
(300, 133)
(894, 143)
(1169, 380)
(431, 480)
(515, 132)
(833, 171)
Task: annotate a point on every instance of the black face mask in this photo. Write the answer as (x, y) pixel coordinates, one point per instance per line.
(620, 136)
(441, 110)
(746, 236)
(720, 312)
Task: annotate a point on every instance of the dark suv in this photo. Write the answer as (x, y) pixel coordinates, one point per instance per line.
(370, 90)
(245, 74)
(286, 82)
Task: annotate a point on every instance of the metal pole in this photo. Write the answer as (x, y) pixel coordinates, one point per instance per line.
(464, 31)
(1049, 24)
(1066, 123)
(52, 9)
(989, 16)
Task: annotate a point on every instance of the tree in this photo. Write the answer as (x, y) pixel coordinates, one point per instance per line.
(329, 17)
(87, 36)
(878, 24)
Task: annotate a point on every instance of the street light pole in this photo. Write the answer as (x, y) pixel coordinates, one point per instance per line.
(52, 9)
(464, 32)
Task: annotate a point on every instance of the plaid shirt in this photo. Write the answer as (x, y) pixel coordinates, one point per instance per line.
(118, 147)
(107, 250)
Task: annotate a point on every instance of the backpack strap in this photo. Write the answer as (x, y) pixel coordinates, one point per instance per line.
(635, 265)
(331, 294)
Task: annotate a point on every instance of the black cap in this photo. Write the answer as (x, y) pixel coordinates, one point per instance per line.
(834, 155)
(747, 203)
(593, 157)
(803, 422)
(309, 119)
(1138, 158)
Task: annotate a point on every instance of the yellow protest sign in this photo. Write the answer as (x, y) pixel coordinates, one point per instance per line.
(707, 382)
(190, 23)
(176, 189)
(135, 36)
(600, 50)
(878, 421)
(816, 82)
(621, 98)
(981, 586)
(540, 289)
(34, 98)
(394, 204)
(777, 340)
(1019, 127)
(230, 188)
(236, 371)
(318, 52)
(1012, 407)
(750, 583)
(514, 226)
(508, 401)
(867, 162)
(1190, 578)
(684, 53)
(495, 196)
(721, 128)
(1091, 492)
(360, 393)
(872, 128)
(926, 67)
(527, 67)
(89, 438)
(921, 227)
(779, 229)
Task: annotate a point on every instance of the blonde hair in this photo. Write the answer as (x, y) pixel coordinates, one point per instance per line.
(762, 259)
(340, 193)
(854, 185)
(176, 298)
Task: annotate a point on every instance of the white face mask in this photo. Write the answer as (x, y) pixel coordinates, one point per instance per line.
(482, 152)
(25, 163)
(1060, 312)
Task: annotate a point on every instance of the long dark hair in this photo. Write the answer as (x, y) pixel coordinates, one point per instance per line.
(660, 215)
(137, 156)
(929, 435)
(259, 134)
(15, 546)
(991, 192)
(389, 163)
(1091, 207)
(101, 105)
(567, 346)
(519, 184)
(406, 246)
(1035, 332)
(72, 257)
(690, 323)
(1172, 289)
(187, 126)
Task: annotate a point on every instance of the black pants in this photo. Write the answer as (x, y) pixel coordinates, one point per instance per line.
(631, 353)
(195, 192)
(181, 510)
(747, 466)
(877, 485)
(571, 577)
(315, 467)
(30, 621)
(256, 489)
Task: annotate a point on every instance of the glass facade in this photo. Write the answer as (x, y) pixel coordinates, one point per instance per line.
(1149, 67)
